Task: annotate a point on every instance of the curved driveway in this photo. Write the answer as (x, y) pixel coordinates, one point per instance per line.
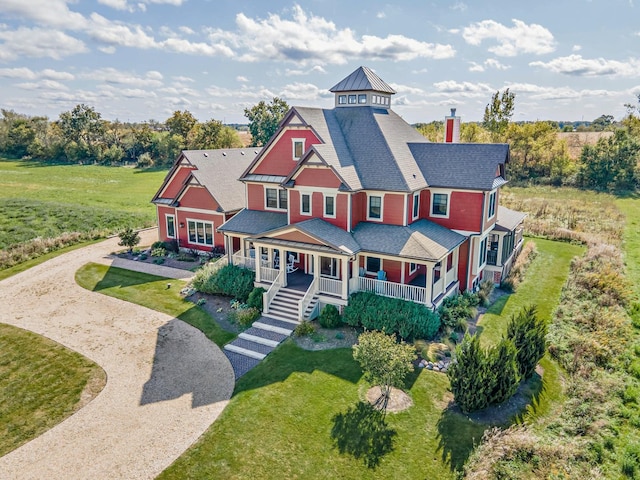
(166, 382)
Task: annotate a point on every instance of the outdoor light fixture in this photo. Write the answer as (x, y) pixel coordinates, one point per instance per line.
(181, 224)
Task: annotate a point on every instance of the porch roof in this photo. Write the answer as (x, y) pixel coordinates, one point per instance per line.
(253, 222)
(508, 219)
(422, 240)
(298, 246)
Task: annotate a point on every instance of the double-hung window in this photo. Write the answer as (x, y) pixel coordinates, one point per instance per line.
(171, 226)
(416, 206)
(482, 253)
(200, 232)
(492, 205)
(275, 199)
(440, 205)
(374, 212)
(305, 203)
(298, 148)
(373, 265)
(329, 206)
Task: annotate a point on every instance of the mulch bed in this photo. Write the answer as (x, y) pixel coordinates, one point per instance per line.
(218, 307)
(168, 262)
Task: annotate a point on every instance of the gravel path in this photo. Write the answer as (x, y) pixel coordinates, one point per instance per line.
(166, 382)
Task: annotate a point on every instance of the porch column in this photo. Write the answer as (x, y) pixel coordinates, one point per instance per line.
(283, 267)
(257, 262)
(429, 284)
(344, 264)
(456, 259)
(500, 248)
(404, 267)
(228, 242)
(316, 266)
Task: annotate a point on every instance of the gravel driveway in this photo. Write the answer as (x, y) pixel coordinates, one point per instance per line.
(166, 382)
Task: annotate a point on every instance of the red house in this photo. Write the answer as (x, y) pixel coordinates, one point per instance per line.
(347, 199)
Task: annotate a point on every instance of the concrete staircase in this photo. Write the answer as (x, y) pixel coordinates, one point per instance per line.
(266, 333)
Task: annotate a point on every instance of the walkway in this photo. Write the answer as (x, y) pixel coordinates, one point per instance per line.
(166, 382)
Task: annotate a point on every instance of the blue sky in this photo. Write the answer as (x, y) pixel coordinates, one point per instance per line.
(135, 60)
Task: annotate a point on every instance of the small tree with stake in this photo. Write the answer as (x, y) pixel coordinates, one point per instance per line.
(129, 238)
(384, 361)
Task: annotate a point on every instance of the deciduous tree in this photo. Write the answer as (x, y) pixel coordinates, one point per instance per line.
(264, 119)
(498, 112)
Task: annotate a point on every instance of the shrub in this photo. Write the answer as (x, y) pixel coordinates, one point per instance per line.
(304, 328)
(503, 363)
(171, 245)
(634, 313)
(129, 238)
(528, 332)
(519, 268)
(255, 298)
(183, 257)
(158, 252)
(244, 316)
(330, 317)
(456, 310)
(158, 261)
(143, 256)
(157, 244)
(391, 315)
(484, 293)
(468, 375)
(229, 280)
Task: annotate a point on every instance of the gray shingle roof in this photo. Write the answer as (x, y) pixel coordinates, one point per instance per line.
(508, 219)
(422, 240)
(362, 79)
(329, 234)
(219, 170)
(460, 165)
(253, 222)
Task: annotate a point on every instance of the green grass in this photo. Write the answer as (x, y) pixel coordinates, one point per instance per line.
(152, 292)
(542, 286)
(631, 240)
(279, 425)
(47, 200)
(41, 383)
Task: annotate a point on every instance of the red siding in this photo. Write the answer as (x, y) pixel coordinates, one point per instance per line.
(162, 221)
(465, 211)
(255, 196)
(449, 130)
(393, 209)
(393, 269)
(198, 197)
(490, 222)
(183, 234)
(463, 261)
(279, 160)
(317, 177)
(175, 183)
(358, 208)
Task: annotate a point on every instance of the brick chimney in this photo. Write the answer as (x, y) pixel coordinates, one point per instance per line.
(452, 128)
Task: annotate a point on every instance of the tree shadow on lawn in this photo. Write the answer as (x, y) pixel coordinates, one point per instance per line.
(362, 432)
(120, 277)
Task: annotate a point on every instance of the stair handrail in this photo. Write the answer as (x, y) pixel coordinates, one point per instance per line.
(271, 293)
(304, 302)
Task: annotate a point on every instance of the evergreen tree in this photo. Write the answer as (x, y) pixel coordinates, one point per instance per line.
(503, 365)
(470, 378)
(528, 332)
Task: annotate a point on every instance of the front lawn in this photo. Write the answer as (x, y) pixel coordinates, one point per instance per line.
(41, 384)
(150, 291)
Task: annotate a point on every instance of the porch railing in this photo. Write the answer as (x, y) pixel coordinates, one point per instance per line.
(330, 286)
(271, 293)
(411, 293)
(450, 277)
(244, 262)
(304, 302)
(268, 274)
(492, 257)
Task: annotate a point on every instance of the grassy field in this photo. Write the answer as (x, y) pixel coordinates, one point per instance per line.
(47, 200)
(631, 240)
(41, 383)
(150, 291)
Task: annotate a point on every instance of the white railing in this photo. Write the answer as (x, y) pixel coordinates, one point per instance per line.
(218, 264)
(271, 293)
(303, 303)
(268, 274)
(330, 286)
(438, 287)
(450, 277)
(244, 262)
(393, 290)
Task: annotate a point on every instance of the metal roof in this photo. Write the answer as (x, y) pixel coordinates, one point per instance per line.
(508, 219)
(362, 79)
(253, 222)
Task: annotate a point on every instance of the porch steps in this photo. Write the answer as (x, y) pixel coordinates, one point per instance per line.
(310, 307)
(284, 306)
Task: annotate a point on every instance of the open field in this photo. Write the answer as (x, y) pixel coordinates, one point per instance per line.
(41, 383)
(49, 200)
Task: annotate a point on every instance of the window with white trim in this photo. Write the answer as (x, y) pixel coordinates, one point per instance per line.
(374, 210)
(353, 99)
(440, 204)
(482, 252)
(171, 226)
(330, 206)
(305, 204)
(275, 198)
(413, 268)
(416, 206)
(492, 205)
(342, 99)
(200, 232)
(373, 265)
(362, 98)
(298, 147)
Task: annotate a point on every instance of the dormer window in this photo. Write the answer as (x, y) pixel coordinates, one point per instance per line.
(342, 99)
(374, 211)
(362, 98)
(298, 148)
(352, 99)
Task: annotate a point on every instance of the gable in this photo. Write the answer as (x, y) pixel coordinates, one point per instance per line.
(196, 196)
(316, 175)
(175, 179)
(278, 158)
(297, 236)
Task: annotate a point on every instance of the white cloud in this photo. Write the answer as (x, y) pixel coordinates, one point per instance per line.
(493, 63)
(576, 48)
(459, 6)
(20, 72)
(182, 78)
(187, 30)
(521, 38)
(118, 77)
(119, 34)
(38, 43)
(313, 70)
(42, 85)
(476, 67)
(241, 79)
(381, 15)
(406, 89)
(180, 91)
(180, 45)
(465, 89)
(306, 39)
(307, 92)
(54, 13)
(117, 4)
(56, 75)
(575, 65)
